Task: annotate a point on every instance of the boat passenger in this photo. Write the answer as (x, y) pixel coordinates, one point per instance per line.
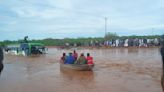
(75, 55)
(1, 59)
(63, 58)
(81, 59)
(89, 59)
(70, 59)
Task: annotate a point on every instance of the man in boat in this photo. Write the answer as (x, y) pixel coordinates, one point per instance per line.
(89, 59)
(1, 59)
(162, 54)
(75, 55)
(70, 59)
(81, 59)
(63, 58)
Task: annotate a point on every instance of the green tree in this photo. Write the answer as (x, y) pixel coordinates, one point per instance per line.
(111, 35)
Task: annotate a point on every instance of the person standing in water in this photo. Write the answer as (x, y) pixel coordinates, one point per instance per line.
(1, 60)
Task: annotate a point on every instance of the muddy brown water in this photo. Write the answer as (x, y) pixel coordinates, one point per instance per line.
(116, 70)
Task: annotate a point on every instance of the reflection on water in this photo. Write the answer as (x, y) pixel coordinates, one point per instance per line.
(116, 70)
(77, 75)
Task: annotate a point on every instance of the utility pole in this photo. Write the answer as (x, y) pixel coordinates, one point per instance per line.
(106, 25)
(152, 31)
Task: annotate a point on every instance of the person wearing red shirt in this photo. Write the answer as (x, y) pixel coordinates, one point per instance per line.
(89, 59)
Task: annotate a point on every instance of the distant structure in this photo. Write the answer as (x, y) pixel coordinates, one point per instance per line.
(25, 39)
(105, 26)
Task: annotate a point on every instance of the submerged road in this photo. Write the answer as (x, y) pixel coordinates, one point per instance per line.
(116, 70)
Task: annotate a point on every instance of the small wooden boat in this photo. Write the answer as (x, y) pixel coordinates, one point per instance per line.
(78, 67)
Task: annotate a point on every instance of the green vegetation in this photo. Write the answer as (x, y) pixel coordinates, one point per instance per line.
(77, 41)
(110, 36)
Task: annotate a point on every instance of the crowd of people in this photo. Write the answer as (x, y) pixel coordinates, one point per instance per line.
(132, 42)
(73, 58)
(129, 42)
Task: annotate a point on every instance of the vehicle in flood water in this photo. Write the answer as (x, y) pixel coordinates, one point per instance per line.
(26, 49)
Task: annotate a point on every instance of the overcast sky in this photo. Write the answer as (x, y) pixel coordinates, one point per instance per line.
(41, 19)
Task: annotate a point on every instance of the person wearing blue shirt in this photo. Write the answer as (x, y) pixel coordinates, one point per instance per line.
(70, 59)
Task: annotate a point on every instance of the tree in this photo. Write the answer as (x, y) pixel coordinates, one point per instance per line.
(111, 35)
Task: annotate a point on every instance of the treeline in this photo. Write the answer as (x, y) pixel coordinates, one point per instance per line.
(54, 42)
(79, 41)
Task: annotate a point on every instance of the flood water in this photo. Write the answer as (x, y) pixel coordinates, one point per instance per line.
(116, 70)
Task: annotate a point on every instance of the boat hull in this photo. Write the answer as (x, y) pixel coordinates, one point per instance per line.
(83, 67)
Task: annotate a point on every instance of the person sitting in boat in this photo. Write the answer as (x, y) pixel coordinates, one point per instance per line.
(70, 59)
(63, 58)
(81, 59)
(89, 59)
(75, 55)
